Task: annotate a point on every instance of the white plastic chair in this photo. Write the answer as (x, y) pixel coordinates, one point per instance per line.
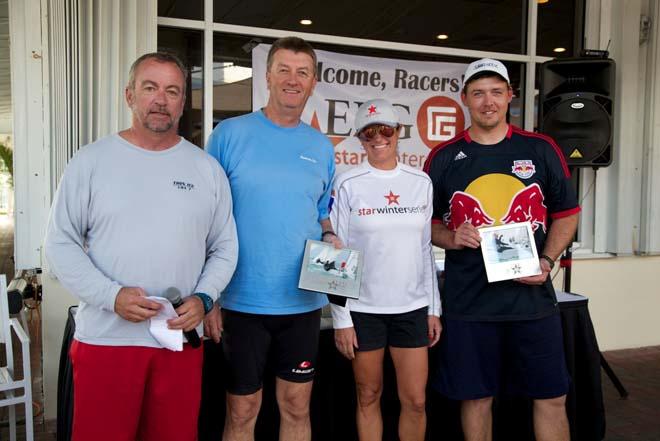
(9, 386)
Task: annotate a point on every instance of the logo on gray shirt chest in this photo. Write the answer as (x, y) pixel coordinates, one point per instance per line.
(180, 185)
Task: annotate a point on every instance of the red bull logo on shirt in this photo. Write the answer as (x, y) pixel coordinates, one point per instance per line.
(497, 199)
(527, 205)
(463, 207)
(524, 168)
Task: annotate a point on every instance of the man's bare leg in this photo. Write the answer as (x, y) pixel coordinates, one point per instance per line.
(550, 420)
(477, 419)
(242, 412)
(293, 401)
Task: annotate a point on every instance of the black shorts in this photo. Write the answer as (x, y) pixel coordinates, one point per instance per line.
(248, 339)
(403, 330)
(484, 359)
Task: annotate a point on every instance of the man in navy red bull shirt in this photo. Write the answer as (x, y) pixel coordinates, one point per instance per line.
(501, 336)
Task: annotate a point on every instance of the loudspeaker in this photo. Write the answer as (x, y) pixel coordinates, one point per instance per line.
(575, 108)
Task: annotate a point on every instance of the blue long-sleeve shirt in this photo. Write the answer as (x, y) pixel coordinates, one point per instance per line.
(281, 179)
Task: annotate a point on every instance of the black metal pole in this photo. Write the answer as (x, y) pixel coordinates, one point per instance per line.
(566, 262)
(623, 393)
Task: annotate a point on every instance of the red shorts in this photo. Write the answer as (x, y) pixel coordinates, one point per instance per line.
(124, 393)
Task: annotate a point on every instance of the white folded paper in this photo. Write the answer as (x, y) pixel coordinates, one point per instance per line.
(169, 338)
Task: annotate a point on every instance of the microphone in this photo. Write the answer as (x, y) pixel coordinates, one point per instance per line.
(174, 296)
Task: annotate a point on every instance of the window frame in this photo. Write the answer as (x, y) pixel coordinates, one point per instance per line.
(530, 59)
(588, 226)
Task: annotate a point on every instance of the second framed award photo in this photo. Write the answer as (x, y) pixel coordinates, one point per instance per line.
(331, 271)
(509, 251)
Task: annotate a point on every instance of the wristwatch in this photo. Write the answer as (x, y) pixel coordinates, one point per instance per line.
(549, 260)
(326, 233)
(207, 301)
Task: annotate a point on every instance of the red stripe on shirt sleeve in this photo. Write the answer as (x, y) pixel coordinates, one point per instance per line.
(565, 213)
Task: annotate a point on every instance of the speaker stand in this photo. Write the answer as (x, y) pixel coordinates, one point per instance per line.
(566, 262)
(623, 392)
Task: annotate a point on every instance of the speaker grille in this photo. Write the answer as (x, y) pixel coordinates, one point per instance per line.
(582, 127)
(575, 108)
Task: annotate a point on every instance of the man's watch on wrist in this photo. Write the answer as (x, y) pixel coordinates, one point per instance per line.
(549, 260)
(207, 301)
(325, 233)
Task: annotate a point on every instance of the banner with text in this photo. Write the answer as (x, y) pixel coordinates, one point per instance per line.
(425, 94)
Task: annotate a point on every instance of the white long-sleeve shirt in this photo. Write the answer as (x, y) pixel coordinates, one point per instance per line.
(126, 216)
(386, 214)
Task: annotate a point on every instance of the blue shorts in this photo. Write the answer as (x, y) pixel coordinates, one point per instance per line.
(484, 359)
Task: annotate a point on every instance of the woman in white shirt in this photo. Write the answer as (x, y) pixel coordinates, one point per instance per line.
(383, 208)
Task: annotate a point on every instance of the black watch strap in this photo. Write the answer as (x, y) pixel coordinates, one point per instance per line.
(325, 233)
(549, 260)
(207, 301)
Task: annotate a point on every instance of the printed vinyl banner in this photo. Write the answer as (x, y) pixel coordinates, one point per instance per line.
(425, 94)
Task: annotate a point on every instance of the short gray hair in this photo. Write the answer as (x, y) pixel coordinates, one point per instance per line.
(161, 57)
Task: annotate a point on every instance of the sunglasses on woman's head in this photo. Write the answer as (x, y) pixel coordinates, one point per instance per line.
(370, 132)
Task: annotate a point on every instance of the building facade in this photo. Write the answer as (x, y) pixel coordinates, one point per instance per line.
(70, 62)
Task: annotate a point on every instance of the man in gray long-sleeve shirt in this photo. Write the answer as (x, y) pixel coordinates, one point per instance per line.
(138, 212)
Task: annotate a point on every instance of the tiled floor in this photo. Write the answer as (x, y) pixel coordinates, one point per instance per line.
(636, 418)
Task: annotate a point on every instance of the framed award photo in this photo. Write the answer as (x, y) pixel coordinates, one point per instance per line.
(509, 251)
(329, 270)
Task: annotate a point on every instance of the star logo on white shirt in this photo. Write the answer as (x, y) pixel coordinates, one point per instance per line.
(392, 198)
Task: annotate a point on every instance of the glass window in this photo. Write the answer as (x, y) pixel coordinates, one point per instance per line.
(232, 74)
(490, 25)
(559, 28)
(537, 90)
(187, 45)
(516, 114)
(189, 9)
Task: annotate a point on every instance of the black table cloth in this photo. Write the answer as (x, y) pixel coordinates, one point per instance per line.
(333, 396)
